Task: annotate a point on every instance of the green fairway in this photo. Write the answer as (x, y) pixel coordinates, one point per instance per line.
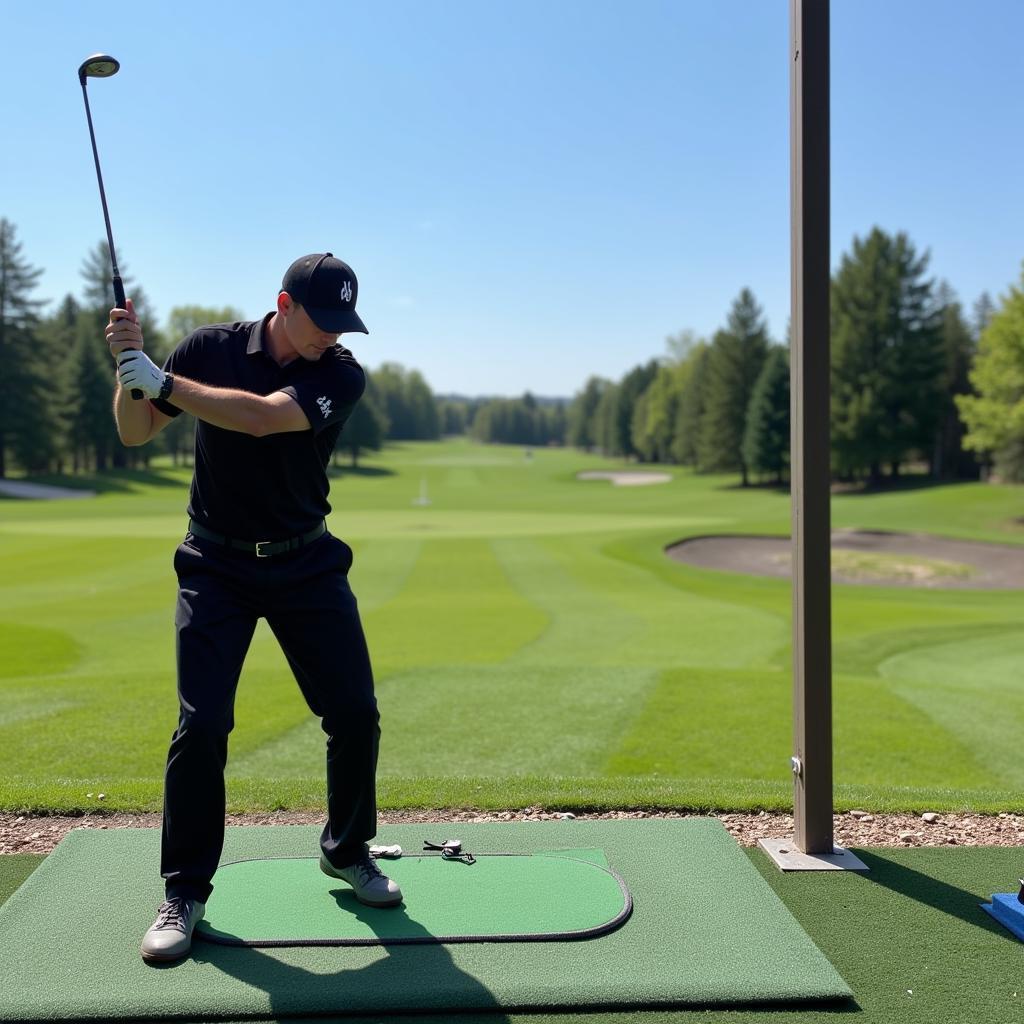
(531, 643)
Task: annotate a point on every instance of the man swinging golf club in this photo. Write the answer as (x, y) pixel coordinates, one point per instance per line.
(271, 397)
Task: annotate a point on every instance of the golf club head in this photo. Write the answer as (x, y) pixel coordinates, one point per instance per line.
(99, 65)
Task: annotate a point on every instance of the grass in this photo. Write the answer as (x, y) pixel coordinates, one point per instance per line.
(532, 645)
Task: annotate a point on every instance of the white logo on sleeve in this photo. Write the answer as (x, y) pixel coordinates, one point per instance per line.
(346, 292)
(325, 405)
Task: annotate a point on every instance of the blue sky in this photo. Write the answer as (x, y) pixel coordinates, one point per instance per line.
(530, 193)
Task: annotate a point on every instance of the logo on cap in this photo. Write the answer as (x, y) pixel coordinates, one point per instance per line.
(346, 292)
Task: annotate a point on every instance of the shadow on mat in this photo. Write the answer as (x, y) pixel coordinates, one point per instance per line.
(405, 977)
(950, 899)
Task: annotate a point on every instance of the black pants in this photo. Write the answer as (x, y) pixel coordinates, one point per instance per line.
(307, 602)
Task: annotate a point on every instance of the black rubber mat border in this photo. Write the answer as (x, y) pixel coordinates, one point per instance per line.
(433, 940)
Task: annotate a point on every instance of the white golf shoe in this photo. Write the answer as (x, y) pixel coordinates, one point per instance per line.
(170, 937)
(369, 883)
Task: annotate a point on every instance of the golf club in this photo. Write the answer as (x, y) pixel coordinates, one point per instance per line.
(102, 65)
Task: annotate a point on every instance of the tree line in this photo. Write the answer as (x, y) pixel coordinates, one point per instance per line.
(57, 381)
(914, 381)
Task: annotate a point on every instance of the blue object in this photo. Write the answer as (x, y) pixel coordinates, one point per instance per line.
(1008, 911)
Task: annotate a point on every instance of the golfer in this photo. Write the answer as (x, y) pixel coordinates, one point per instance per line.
(271, 397)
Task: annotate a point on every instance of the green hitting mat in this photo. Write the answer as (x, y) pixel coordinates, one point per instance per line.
(498, 897)
(705, 930)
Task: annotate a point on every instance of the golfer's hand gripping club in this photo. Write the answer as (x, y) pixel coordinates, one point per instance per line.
(136, 370)
(121, 303)
(124, 336)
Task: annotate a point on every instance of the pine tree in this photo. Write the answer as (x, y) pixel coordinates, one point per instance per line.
(887, 357)
(737, 355)
(582, 425)
(557, 424)
(454, 415)
(100, 444)
(950, 458)
(57, 334)
(22, 388)
(389, 379)
(88, 411)
(643, 442)
(604, 420)
(419, 399)
(766, 440)
(631, 387)
(984, 310)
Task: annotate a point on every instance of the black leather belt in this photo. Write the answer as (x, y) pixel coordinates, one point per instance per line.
(259, 548)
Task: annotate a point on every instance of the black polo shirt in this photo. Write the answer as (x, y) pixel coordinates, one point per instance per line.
(273, 487)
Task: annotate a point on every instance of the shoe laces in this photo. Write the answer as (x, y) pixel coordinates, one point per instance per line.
(174, 913)
(368, 869)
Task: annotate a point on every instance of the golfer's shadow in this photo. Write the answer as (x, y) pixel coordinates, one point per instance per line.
(932, 892)
(343, 980)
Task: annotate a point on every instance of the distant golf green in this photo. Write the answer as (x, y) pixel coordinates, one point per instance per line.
(532, 645)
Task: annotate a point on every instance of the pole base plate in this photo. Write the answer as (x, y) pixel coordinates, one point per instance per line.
(789, 857)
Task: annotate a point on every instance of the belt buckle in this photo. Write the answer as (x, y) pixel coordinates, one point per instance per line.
(262, 544)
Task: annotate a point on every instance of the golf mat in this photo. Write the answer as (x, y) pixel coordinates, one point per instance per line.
(706, 930)
(497, 897)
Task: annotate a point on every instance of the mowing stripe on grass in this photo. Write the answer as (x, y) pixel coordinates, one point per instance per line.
(581, 617)
(456, 607)
(24, 705)
(432, 522)
(862, 649)
(113, 526)
(880, 734)
(35, 650)
(694, 714)
(625, 615)
(506, 719)
(381, 569)
(989, 725)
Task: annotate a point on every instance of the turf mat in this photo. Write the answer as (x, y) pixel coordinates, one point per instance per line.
(547, 896)
(706, 930)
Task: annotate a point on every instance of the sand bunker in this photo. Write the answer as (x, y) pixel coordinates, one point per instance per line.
(869, 557)
(626, 478)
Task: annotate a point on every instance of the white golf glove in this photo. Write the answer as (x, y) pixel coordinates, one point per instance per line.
(136, 370)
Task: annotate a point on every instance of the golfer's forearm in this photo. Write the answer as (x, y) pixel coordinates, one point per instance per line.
(222, 407)
(134, 419)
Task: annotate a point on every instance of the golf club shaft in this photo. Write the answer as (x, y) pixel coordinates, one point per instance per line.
(119, 296)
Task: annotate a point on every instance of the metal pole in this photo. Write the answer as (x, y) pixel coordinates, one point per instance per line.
(810, 447)
(812, 847)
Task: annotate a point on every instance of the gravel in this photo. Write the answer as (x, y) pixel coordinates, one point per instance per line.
(30, 834)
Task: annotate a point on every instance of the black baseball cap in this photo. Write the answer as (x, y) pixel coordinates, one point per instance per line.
(327, 288)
